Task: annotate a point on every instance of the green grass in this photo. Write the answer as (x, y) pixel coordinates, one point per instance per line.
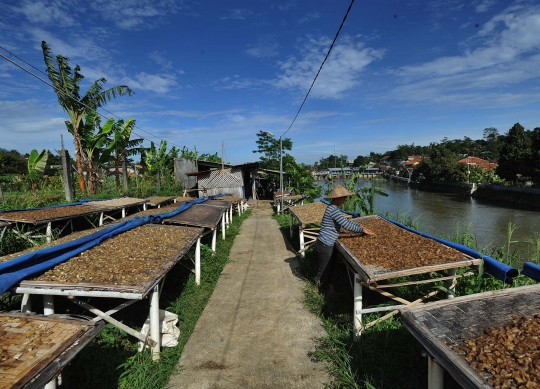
(111, 360)
(387, 356)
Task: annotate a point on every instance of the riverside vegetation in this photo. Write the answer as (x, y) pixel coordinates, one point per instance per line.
(387, 355)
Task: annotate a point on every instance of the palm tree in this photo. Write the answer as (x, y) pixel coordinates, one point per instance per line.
(66, 85)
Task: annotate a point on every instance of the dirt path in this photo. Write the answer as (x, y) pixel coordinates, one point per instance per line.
(254, 332)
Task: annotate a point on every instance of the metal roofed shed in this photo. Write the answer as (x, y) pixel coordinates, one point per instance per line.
(440, 326)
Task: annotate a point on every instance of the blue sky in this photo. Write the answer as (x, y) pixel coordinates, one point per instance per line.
(204, 72)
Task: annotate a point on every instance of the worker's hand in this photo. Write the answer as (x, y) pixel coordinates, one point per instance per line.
(368, 232)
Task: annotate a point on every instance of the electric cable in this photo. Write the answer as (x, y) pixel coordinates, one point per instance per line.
(322, 64)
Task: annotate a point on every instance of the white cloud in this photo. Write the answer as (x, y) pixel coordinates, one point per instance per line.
(47, 12)
(484, 5)
(340, 73)
(505, 56)
(287, 6)
(159, 58)
(157, 83)
(309, 17)
(238, 14)
(266, 47)
(135, 14)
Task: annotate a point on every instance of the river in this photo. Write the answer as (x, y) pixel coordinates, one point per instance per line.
(443, 214)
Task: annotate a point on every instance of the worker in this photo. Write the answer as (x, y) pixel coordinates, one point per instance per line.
(331, 224)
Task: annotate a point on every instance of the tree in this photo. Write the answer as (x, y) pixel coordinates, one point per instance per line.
(535, 155)
(515, 153)
(66, 85)
(268, 146)
(36, 167)
(360, 161)
(491, 147)
(119, 145)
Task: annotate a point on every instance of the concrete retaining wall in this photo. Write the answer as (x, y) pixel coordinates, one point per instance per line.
(523, 196)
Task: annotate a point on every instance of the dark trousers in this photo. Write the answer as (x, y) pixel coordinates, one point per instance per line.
(324, 258)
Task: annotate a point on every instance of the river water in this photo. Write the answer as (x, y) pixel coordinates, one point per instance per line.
(443, 214)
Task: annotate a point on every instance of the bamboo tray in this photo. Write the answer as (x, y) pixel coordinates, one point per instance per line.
(467, 317)
(235, 199)
(119, 203)
(185, 199)
(372, 273)
(36, 348)
(309, 213)
(132, 262)
(45, 215)
(154, 201)
(199, 216)
(218, 203)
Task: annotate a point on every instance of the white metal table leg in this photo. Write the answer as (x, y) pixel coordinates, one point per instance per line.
(26, 303)
(357, 317)
(290, 224)
(48, 305)
(144, 206)
(123, 212)
(198, 262)
(223, 227)
(301, 234)
(101, 219)
(230, 213)
(214, 235)
(48, 234)
(435, 374)
(451, 284)
(155, 330)
(227, 219)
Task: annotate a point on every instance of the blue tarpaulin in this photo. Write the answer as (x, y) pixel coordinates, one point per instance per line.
(27, 265)
(491, 266)
(531, 270)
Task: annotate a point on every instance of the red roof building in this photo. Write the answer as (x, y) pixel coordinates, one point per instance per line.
(479, 162)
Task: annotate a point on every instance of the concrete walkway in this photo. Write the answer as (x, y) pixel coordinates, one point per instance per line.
(254, 332)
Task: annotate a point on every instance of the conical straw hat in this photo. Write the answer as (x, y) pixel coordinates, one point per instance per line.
(338, 191)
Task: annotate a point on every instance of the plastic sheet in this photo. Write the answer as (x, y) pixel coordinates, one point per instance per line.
(493, 267)
(27, 265)
(531, 270)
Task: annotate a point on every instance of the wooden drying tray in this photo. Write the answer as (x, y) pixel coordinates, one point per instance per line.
(46, 215)
(371, 274)
(218, 203)
(198, 215)
(39, 347)
(185, 199)
(309, 213)
(154, 201)
(467, 317)
(138, 291)
(119, 203)
(234, 199)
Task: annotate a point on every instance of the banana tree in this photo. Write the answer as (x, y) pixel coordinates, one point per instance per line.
(66, 85)
(363, 200)
(36, 167)
(119, 145)
(93, 140)
(155, 159)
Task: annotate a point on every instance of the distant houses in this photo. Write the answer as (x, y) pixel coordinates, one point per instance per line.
(479, 162)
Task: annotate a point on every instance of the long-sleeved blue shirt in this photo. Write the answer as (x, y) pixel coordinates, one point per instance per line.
(331, 224)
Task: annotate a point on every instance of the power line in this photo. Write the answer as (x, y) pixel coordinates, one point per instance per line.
(322, 64)
(71, 97)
